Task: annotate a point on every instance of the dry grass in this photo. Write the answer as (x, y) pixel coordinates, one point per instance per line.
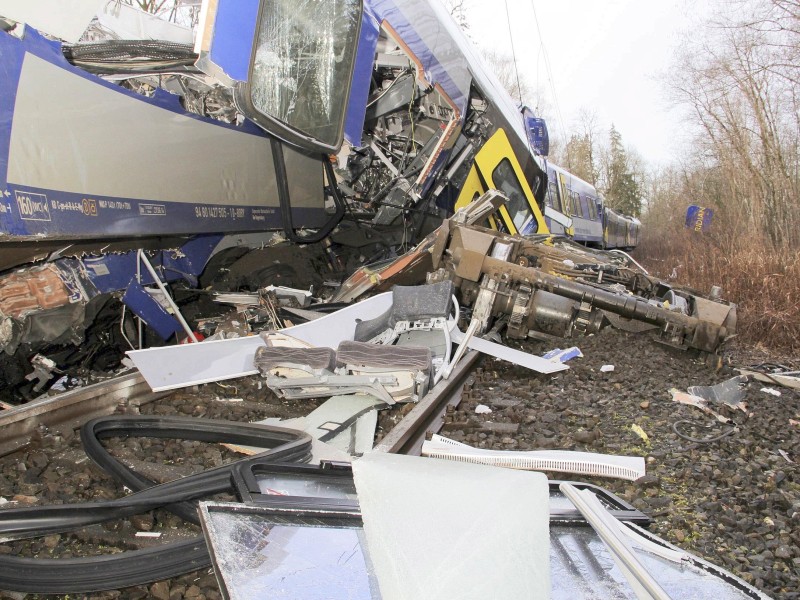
(764, 282)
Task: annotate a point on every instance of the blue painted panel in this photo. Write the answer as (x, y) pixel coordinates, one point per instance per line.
(699, 218)
(538, 135)
(150, 311)
(233, 37)
(112, 272)
(362, 76)
(27, 212)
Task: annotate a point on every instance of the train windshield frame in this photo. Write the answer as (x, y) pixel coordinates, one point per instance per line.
(301, 69)
(507, 182)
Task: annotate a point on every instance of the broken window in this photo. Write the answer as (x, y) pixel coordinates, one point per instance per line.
(302, 67)
(506, 180)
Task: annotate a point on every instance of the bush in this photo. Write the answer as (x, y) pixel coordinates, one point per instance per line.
(763, 281)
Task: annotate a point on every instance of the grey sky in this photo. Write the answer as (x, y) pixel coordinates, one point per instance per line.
(605, 55)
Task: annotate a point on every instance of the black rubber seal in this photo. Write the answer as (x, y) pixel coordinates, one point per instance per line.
(90, 574)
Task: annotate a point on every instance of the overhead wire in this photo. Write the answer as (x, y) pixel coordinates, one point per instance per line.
(513, 54)
(549, 70)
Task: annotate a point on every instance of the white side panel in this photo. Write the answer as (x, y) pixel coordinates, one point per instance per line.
(523, 359)
(173, 367)
(65, 19)
(74, 135)
(438, 529)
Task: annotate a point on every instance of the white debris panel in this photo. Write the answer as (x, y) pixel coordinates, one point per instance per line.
(437, 529)
(173, 367)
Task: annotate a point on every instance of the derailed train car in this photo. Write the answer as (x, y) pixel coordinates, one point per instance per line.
(115, 153)
(290, 144)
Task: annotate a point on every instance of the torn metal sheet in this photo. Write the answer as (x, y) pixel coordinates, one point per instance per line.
(173, 367)
(562, 461)
(774, 373)
(492, 541)
(345, 423)
(730, 392)
(523, 359)
(65, 19)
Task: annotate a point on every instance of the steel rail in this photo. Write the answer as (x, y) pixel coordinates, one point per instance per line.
(71, 409)
(427, 416)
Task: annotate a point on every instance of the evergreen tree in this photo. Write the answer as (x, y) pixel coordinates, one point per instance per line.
(623, 192)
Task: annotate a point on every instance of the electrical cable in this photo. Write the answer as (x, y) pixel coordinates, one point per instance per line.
(708, 440)
(390, 86)
(550, 76)
(137, 567)
(513, 54)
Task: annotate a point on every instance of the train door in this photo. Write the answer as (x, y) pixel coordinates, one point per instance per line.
(496, 167)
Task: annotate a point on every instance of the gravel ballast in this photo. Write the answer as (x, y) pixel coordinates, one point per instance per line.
(734, 501)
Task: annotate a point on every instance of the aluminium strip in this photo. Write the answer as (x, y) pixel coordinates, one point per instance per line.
(523, 359)
(70, 409)
(642, 582)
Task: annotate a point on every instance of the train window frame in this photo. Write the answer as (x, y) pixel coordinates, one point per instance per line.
(584, 202)
(510, 178)
(341, 59)
(589, 206)
(570, 201)
(555, 199)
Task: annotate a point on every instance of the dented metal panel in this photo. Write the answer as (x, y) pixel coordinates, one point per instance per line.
(97, 160)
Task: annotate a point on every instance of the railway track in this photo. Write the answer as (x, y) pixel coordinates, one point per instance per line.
(22, 427)
(71, 409)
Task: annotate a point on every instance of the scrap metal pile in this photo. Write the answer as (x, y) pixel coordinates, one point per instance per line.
(549, 287)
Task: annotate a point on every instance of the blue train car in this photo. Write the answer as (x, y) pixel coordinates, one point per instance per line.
(620, 231)
(277, 120)
(576, 207)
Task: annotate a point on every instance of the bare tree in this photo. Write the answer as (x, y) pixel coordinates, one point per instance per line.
(508, 75)
(582, 147)
(182, 12)
(741, 86)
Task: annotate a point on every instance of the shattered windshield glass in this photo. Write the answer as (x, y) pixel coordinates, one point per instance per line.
(290, 557)
(303, 64)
